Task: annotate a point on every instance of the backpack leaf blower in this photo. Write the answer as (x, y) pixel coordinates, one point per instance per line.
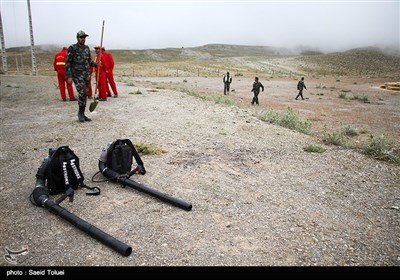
(115, 164)
(40, 197)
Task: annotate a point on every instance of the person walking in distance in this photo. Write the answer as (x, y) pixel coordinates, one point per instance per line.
(77, 67)
(108, 64)
(227, 82)
(256, 90)
(59, 67)
(300, 86)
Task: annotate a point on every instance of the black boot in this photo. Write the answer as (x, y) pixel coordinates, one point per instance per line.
(86, 118)
(81, 116)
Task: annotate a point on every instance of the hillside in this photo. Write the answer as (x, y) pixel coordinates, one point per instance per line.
(213, 59)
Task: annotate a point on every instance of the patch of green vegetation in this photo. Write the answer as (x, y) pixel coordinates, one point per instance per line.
(289, 120)
(334, 138)
(313, 149)
(361, 97)
(342, 95)
(381, 148)
(216, 98)
(219, 99)
(349, 131)
(146, 149)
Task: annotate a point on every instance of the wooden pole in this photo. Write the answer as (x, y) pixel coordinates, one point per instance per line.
(3, 48)
(34, 67)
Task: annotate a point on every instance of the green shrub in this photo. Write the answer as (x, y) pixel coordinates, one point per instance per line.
(135, 92)
(292, 121)
(382, 149)
(219, 99)
(349, 131)
(361, 97)
(269, 116)
(289, 120)
(334, 138)
(314, 149)
(146, 149)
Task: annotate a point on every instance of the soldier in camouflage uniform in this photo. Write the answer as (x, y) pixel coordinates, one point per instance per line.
(300, 86)
(256, 90)
(227, 82)
(78, 70)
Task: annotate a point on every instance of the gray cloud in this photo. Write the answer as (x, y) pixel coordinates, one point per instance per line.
(328, 26)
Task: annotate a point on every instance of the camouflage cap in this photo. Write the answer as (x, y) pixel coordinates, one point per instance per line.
(81, 34)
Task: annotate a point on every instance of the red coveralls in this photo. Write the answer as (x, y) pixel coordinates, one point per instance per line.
(102, 82)
(59, 67)
(108, 63)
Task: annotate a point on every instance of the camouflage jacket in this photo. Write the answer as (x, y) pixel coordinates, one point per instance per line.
(257, 86)
(301, 85)
(78, 61)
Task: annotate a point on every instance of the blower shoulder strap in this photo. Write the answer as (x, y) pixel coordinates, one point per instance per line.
(134, 152)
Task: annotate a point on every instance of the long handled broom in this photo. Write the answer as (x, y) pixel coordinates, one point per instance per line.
(93, 105)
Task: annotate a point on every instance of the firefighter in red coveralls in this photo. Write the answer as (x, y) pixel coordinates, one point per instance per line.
(101, 75)
(59, 67)
(108, 64)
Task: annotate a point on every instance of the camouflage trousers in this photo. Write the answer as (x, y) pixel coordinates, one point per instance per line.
(226, 88)
(82, 87)
(255, 98)
(300, 94)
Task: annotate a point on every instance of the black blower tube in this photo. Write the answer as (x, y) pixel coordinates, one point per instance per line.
(41, 198)
(114, 176)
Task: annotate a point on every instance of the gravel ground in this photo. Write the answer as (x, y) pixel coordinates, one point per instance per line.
(258, 199)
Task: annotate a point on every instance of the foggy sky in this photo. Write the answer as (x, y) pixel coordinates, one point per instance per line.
(322, 25)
